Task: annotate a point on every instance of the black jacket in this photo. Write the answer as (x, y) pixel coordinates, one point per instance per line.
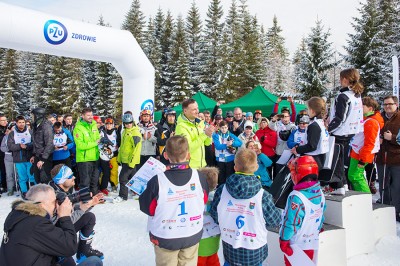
(19, 155)
(32, 239)
(43, 136)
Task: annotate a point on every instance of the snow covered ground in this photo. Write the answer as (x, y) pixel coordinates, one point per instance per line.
(121, 235)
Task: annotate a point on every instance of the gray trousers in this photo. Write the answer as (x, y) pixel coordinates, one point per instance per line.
(9, 174)
(389, 185)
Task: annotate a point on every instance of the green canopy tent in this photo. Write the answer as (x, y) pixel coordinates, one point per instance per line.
(259, 99)
(204, 102)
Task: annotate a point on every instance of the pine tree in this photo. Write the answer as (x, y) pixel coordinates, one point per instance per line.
(179, 65)
(231, 50)
(135, 21)
(363, 48)
(26, 82)
(9, 80)
(55, 91)
(277, 60)
(213, 58)
(153, 51)
(88, 93)
(72, 84)
(389, 40)
(318, 61)
(42, 77)
(195, 42)
(166, 86)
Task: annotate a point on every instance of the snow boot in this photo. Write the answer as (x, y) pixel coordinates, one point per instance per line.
(85, 249)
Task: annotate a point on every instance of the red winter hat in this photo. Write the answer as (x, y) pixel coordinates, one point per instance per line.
(97, 118)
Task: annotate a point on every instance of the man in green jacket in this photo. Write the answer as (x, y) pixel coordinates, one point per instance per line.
(87, 137)
(194, 130)
(128, 155)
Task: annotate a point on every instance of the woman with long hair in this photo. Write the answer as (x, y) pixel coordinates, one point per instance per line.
(346, 118)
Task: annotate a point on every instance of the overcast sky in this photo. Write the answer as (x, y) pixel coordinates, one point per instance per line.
(295, 17)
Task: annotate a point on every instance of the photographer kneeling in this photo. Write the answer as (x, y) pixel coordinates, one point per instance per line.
(84, 220)
(30, 238)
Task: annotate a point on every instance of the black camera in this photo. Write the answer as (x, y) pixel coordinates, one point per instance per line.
(284, 98)
(82, 195)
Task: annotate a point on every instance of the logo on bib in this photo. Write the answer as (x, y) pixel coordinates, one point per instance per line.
(230, 203)
(170, 192)
(193, 186)
(251, 205)
(294, 206)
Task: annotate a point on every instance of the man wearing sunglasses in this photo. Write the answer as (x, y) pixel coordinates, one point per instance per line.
(87, 138)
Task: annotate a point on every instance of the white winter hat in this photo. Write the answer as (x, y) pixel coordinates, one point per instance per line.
(248, 123)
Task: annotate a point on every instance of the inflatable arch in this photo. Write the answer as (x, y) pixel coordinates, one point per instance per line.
(32, 31)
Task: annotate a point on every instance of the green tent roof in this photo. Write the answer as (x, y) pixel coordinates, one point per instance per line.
(259, 99)
(204, 102)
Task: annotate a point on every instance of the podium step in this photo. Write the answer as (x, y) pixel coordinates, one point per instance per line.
(384, 221)
(331, 239)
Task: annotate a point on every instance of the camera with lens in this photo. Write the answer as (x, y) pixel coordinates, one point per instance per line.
(82, 195)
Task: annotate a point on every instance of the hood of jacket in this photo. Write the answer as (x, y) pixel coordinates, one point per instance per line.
(243, 186)
(22, 210)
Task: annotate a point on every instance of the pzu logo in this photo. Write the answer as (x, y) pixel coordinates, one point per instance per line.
(148, 105)
(55, 32)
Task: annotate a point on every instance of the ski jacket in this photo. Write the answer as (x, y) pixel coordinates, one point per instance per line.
(178, 175)
(86, 137)
(297, 137)
(245, 186)
(42, 138)
(278, 126)
(268, 139)
(194, 132)
(263, 162)
(62, 154)
(131, 145)
(345, 112)
(390, 147)
(372, 127)
(149, 146)
(244, 139)
(164, 131)
(32, 239)
(222, 154)
(19, 155)
(316, 135)
(4, 148)
(293, 218)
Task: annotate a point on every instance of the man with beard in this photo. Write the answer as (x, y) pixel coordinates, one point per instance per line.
(87, 137)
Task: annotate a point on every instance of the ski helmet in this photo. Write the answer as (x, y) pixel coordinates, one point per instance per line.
(170, 111)
(302, 166)
(127, 118)
(105, 153)
(145, 112)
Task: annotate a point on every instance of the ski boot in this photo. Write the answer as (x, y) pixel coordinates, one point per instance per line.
(85, 249)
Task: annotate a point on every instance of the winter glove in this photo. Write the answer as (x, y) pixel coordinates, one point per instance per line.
(285, 247)
(262, 138)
